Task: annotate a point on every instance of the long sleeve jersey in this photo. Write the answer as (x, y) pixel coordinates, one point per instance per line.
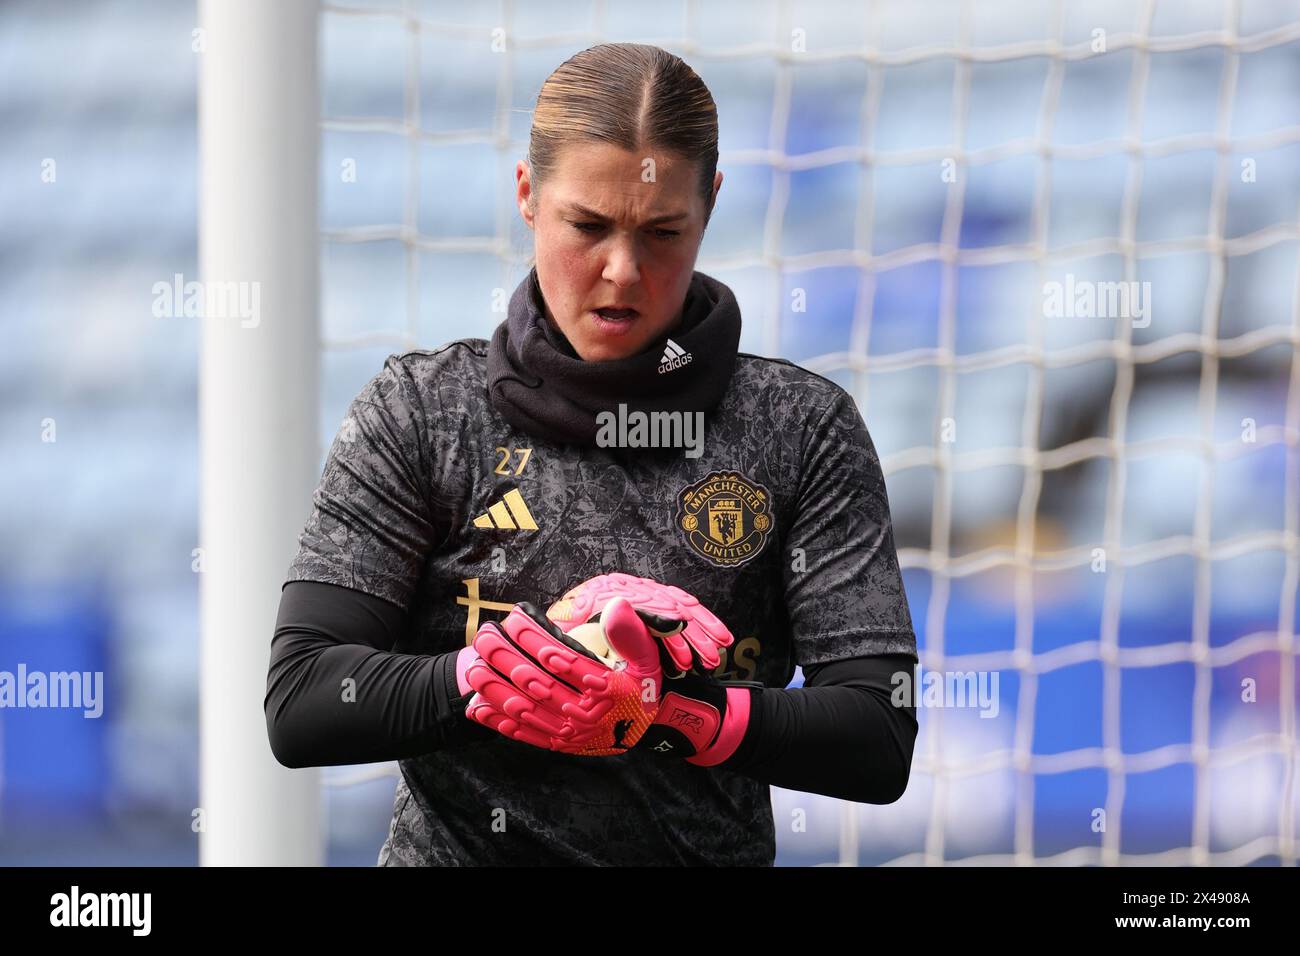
(433, 503)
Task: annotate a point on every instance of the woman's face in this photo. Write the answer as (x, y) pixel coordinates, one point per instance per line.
(606, 240)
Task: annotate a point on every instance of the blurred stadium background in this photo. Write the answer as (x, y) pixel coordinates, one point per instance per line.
(1172, 158)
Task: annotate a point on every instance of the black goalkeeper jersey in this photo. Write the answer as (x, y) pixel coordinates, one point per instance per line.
(778, 522)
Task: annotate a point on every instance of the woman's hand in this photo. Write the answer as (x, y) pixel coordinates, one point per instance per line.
(649, 635)
(591, 692)
(699, 719)
(693, 647)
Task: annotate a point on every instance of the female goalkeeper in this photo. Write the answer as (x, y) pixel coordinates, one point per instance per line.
(610, 425)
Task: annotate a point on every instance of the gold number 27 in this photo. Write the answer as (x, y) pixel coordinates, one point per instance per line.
(503, 467)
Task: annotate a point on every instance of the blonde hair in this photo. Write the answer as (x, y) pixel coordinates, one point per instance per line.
(631, 95)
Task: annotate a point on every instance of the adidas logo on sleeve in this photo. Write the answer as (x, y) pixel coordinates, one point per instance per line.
(674, 357)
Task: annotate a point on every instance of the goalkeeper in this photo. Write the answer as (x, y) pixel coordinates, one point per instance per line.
(489, 502)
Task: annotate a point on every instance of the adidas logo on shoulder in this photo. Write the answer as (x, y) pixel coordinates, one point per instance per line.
(508, 514)
(674, 357)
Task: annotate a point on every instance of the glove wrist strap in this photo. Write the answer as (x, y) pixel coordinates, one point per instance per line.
(735, 721)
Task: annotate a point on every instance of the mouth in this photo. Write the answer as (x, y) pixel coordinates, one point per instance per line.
(614, 321)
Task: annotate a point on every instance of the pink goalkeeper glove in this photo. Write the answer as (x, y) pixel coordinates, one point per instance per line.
(693, 648)
(699, 719)
(590, 692)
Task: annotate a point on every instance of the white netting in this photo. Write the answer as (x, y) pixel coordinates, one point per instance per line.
(939, 775)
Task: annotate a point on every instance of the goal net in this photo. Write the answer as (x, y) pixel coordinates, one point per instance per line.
(1051, 249)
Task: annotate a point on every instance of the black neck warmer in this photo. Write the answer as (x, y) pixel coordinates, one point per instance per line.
(540, 385)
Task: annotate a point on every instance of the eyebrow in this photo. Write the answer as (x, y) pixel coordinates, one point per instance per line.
(592, 214)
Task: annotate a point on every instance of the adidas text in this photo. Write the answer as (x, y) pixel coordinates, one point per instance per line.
(674, 357)
(675, 363)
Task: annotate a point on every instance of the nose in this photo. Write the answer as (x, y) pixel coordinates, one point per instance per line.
(621, 266)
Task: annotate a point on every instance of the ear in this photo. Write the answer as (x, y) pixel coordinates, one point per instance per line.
(524, 192)
(717, 187)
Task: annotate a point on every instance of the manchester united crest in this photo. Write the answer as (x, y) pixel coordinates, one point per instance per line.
(726, 517)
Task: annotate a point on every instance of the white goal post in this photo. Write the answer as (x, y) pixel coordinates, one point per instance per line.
(258, 410)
